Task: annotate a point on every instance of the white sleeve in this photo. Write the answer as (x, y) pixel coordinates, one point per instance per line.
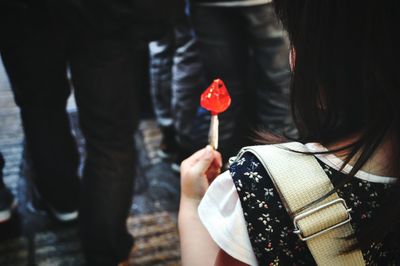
(221, 213)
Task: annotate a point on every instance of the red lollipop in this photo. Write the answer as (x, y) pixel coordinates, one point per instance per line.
(216, 99)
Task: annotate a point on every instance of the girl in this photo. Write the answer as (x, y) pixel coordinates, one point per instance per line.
(345, 91)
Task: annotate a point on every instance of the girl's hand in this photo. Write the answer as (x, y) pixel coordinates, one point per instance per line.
(198, 171)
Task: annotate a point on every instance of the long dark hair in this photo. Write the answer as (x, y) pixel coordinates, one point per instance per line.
(345, 81)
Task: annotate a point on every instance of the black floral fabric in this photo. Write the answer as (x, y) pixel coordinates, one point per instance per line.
(271, 230)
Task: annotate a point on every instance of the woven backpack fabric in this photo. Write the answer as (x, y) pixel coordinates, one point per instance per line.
(301, 184)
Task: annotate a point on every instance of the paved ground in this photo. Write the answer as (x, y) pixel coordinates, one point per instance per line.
(34, 239)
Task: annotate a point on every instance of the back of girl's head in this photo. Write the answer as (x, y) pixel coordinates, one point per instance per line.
(345, 77)
(345, 80)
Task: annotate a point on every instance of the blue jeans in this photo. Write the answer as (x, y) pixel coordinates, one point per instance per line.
(177, 80)
(2, 163)
(103, 75)
(247, 48)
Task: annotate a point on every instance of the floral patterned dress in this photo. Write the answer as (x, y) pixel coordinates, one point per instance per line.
(270, 228)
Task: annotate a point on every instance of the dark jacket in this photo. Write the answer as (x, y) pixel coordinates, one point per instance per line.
(109, 16)
(102, 17)
(14, 16)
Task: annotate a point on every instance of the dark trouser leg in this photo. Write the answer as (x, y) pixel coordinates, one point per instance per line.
(177, 81)
(103, 73)
(161, 54)
(187, 85)
(37, 70)
(225, 55)
(272, 75)
(2, 163)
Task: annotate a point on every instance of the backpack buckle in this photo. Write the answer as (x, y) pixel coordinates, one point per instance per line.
(312, 211)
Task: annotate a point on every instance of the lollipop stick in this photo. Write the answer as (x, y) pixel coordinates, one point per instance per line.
(213, 134)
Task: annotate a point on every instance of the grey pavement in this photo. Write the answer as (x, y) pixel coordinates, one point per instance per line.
(32, 238)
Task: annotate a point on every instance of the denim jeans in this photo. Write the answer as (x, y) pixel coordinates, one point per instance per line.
(2, 163)
(161, 57)
(177, 80)
(104, 80)
(247, 48)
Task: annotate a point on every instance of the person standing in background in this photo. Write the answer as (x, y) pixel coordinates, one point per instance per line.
(39, 46)
(242, 43)
(100, 42)
(177, 80)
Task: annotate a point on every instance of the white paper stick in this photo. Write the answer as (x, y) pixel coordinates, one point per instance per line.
(213, 134)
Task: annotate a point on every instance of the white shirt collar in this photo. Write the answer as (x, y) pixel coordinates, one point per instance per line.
(336, 163)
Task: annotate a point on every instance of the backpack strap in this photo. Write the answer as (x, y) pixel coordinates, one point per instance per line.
(300, 182)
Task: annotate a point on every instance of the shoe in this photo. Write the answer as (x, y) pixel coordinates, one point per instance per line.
(64, 217)
(66, 214)
(168, 146)
(7, 204)
(180, 157)
(57, 198)
(176, 167)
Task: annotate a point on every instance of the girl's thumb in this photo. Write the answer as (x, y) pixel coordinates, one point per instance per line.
(205, 160)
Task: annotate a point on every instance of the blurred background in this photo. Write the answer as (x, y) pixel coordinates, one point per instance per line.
(99, 104)
(31, 237)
